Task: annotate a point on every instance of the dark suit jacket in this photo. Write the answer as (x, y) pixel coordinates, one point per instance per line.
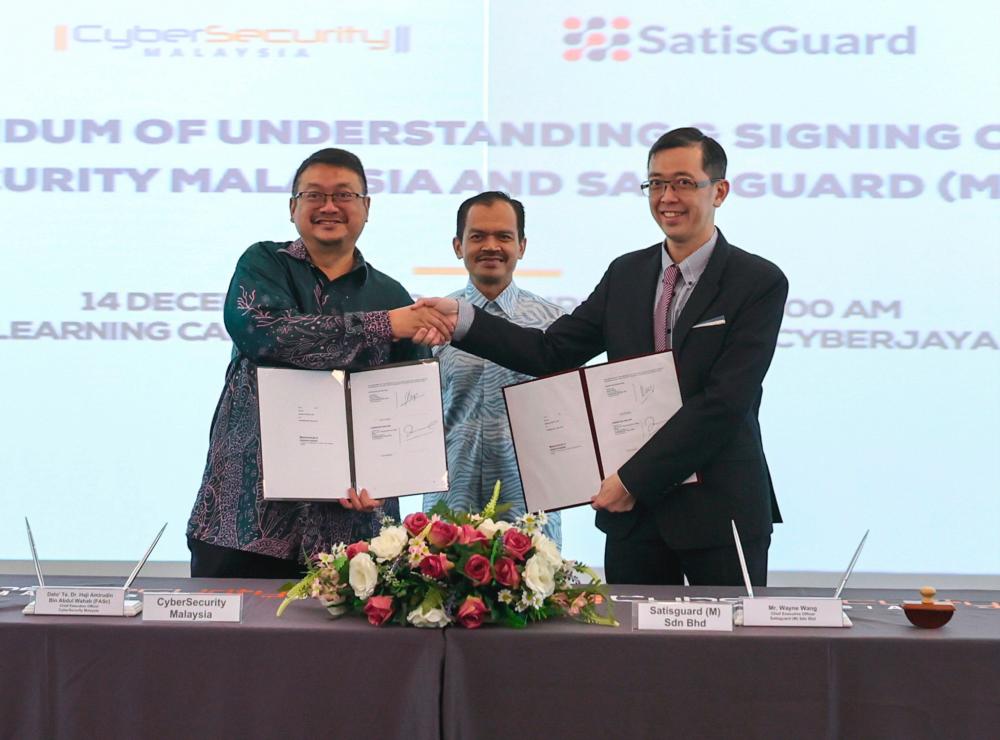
(720, 368)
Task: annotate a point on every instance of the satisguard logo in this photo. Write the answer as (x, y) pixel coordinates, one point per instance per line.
(591, 41)
(597, 39)
(220, 41)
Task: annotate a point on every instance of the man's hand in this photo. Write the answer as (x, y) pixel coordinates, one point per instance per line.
(364, 502)
(613, 496)
(445, 306)
(448, 308)
(409, 321)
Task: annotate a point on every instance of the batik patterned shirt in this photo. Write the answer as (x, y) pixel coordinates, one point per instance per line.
(480, 451)
(282, 311)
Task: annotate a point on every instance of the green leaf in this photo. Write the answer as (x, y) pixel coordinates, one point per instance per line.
(300, 590)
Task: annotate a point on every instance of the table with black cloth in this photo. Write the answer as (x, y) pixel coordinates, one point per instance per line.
(301, 676)
(305, 675)
(882, 678)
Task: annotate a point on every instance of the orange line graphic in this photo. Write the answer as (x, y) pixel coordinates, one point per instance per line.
(62, 38)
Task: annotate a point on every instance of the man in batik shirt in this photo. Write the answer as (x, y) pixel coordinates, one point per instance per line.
(311, 303)
(489, 240)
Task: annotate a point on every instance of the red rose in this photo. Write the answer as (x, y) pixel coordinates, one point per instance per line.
(436, 566)
(442, 534)
(469, 535)
(357, 547)
(416, 522)
(516, 543)
(477, 569)
(506, 573)
(379, 609)
(472, 612)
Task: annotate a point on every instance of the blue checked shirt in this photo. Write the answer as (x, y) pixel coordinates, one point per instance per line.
(480, 451)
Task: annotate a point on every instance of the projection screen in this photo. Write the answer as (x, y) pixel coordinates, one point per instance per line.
(146, 146)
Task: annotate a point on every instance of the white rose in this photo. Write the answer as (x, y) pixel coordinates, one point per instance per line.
(362, 575)
(389, 543)
(503, 526)
(488, 527)
(546, 548)
(539, 576)
(429, 618)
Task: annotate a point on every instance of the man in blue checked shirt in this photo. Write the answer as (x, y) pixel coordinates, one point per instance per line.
(490, 240)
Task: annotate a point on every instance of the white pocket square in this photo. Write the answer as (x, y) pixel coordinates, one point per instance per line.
(717, 321)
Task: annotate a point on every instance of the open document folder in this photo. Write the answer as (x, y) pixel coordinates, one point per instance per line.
(323, 431)
(573, 429)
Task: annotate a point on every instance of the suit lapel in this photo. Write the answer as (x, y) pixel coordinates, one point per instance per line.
(703, 294)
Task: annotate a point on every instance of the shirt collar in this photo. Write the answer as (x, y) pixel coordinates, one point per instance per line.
(507, 300)
(694, 265)
(297, 249)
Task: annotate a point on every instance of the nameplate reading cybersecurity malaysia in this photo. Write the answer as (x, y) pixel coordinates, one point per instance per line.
(688, 616)
(77, 601)
(764, 611)
(159, 606)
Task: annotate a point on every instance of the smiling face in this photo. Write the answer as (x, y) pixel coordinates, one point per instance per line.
(490, 247)
(687, 218)
(333, 225)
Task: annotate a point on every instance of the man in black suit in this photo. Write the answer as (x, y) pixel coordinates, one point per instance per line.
(719, 309)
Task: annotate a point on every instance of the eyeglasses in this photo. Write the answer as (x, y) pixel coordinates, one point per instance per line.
(316, 198)
(679, 184)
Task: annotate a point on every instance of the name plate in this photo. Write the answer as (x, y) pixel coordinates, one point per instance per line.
(185, 607)
(674, 616)
(788, 611)
(77, 601)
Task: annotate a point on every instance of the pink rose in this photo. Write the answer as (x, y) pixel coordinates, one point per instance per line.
(469, 535)
(442, 534)
(472, 613)
(436, 566)
(379, 609)
(506, 573)
(416, 522)
(357, 547)
(516, 543)
(477, 569)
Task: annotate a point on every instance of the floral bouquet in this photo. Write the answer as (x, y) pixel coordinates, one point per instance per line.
(455, 567)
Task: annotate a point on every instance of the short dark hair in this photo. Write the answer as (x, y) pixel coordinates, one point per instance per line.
(487, 199)
(713, 156)
(335, 158)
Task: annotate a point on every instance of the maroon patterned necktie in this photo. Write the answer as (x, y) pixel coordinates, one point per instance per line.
(661, 319)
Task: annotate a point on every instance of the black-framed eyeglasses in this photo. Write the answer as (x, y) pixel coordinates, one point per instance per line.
(656, 186)
(316, 198)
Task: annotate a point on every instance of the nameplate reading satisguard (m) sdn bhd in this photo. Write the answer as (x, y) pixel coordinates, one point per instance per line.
(764, 611)
(179, 607)
(672, 616)
(80, 601)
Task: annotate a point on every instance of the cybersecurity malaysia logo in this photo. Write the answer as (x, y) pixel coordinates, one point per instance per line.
(596, 39)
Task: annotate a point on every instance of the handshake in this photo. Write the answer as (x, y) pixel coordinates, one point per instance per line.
(429, 321)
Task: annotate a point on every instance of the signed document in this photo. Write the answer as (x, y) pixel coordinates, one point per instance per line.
(630, 400)
(573, 429)
(303, 434)
(552, 441)
(399, 429)
(323, 432)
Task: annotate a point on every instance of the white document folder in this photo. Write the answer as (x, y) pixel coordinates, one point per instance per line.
(323, 432)
(573, 429)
